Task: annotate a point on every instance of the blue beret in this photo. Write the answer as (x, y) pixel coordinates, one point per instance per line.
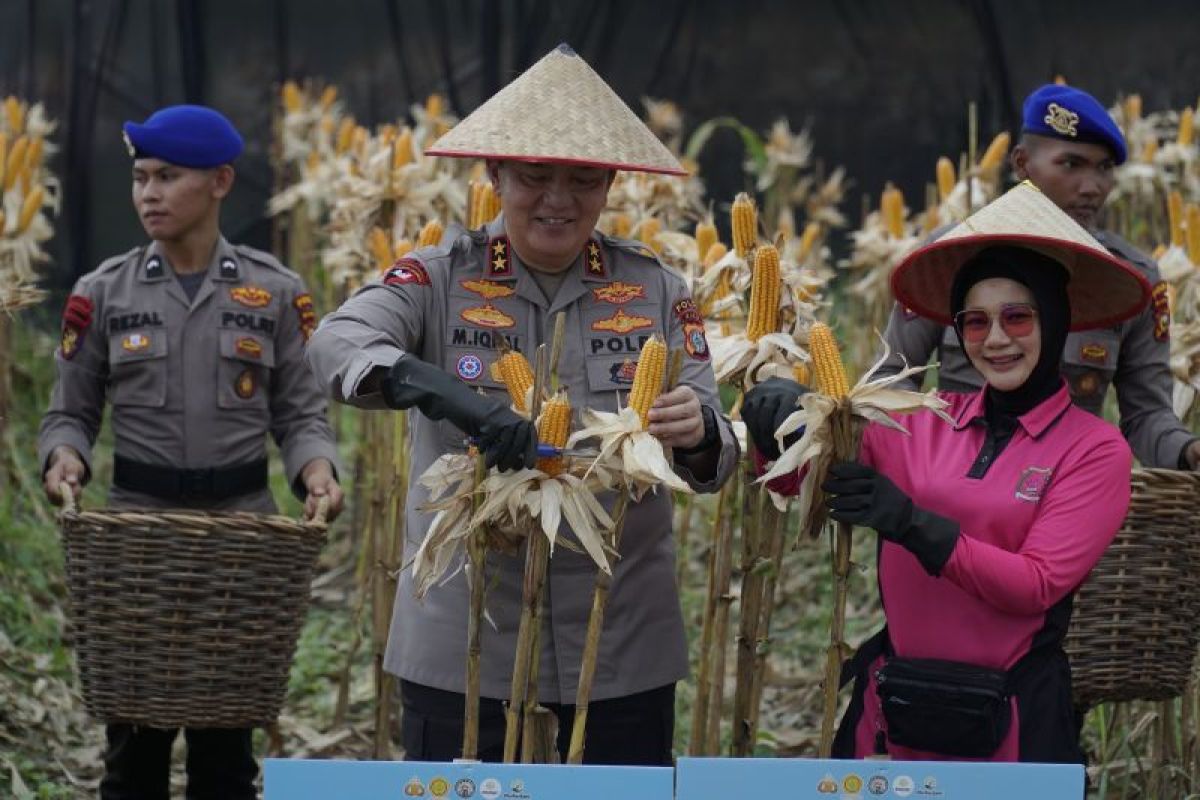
(188, 136)
(1063, 112)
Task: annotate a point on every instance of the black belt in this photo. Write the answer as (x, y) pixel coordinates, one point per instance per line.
(190, 485)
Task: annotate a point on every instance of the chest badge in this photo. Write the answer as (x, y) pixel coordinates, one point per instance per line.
(469, 367)
(1033, 483)
(488, 290)
(250, 296)
(245, 385)
(487, 316)
(622, 323)
(1094, 352)
(619, 293)
(248, 347)
(135, 343)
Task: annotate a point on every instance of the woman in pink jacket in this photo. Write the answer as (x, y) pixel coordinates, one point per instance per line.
(987, 526)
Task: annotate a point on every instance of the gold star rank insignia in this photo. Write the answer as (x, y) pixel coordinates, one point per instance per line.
(595, 259)
(498, 265)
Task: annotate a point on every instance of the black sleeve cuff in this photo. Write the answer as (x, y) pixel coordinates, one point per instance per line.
(712, 436)
(932, 539)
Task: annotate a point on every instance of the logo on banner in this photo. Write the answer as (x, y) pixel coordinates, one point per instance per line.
(489, 789)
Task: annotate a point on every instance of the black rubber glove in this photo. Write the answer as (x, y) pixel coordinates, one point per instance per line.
(862, 496)
(765, 408)
(506, 440)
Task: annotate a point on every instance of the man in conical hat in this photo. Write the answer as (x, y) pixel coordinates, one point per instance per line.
(1069, 147)
(425, 338)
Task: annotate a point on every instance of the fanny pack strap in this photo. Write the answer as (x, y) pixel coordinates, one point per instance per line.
(874, 647)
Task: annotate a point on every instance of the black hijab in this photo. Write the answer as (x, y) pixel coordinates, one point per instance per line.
(1046, 280)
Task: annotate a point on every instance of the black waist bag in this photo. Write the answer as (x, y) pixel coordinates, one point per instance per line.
(946, 707)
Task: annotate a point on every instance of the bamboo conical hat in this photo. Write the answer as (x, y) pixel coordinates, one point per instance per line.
(1103, 290)
(559, 110)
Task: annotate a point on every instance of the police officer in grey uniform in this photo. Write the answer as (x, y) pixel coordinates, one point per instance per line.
(198, 345)
(425, 337)
(1068, 148)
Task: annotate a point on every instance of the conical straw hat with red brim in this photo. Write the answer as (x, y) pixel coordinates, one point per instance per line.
(1102, 289)
(559, 111)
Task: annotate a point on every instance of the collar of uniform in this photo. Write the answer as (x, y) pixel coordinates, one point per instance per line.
(224, 265)
(153, 267)
(1035, 422)
(594, 266)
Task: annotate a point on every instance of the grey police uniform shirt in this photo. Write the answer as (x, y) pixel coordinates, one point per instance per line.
(193, 384)
(450, 306)
(1132, 356)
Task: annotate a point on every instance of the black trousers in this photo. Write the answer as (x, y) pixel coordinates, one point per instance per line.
(635, 730)
(137, 765)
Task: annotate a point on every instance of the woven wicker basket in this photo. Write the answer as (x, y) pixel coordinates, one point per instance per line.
(1134, 632)
(186, 618)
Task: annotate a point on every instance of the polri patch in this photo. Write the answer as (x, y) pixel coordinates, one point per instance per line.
(407, 271)
(1160, 301)
(488, 316)
(694, 340)
(619, 292)
(622, 323)
(469, 367)
(250, 296)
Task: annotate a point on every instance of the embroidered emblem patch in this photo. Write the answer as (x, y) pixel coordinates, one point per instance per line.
(135, 343)
(405, 271)
(618, 292)
(622, 323)
(1160, 300)
(1094, 352)
(245, 385)
(694, 340)
(248, 347)
(1033, 483)
(1062, 120)
(308, 315)
(77, 318)
(498, 260)
(488, 290)
(250, 296)
(469, 367)
(623, 373)
(229, 269)
(488, 316)
(154, 268)
(687, 313)
(595, 259)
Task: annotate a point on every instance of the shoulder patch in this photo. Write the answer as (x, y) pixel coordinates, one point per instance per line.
(77, 318)
(694, 340)
(405, 271)
(308, 315)
(1160, 301)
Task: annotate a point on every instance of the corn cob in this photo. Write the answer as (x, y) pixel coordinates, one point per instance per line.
(827, 362)
(387, 133)
(1175, 217)
(714, 254)
(16, 160)
(313, 161)
(993, 157)
(808, 239)
(431, 234)
(743, 218)
(25, 179)
(554, 426)
(945, 178)
(3, 156)
(786, 226)
(706, 236)
(891, 207)
(1133, 108)
(33, 156)
(402, 148)
(764, 293)
(328, 97)
(647, 232)
(293, 99)
(800, 372)
(14, 111)
(1193, 232)
(29, 209)
(513, 370)
(1150, 151)
(1060, 80)
(1187, 127)
(648, 378)
(345, 136)
(484, 204)
(326, 125)
(622, 226)
(379, 245)
(435, 105)
(403, 247)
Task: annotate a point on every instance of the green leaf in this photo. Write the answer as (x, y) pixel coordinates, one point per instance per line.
(751, 141)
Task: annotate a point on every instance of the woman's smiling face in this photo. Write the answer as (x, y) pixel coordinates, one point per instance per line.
(1004, 358)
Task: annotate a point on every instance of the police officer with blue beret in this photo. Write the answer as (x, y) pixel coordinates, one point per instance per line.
(1068, 148)
(198, 344)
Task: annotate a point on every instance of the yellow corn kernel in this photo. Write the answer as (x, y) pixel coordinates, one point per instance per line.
(993, 157)
(706, 236)
(403, 247)
(402, 148)
(328, 97)
(379, 245)
(715, 253)
(554, 426)
(1175, 217)
(827, 362)
(648, 377)
(431, 234)
(1187, 127)
(808, 239)
(25, 179)
(764, 293)
(622, 226)
(1149, 151)
(33, 155)
(435, 105)
(14, 112)
(647, 232)
(484, 204)
(513, 370)
(16, 162)
(293, 98)
(800, 373)
(387, 133)
(891, 207)
(1133, 108)
(345, 135)
(29, 209)
(743, 217)
(1192, 221)
(945, 178)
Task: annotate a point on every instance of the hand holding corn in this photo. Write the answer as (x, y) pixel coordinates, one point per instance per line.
(676, 418)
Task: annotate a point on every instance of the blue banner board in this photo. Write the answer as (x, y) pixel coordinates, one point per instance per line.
(296, 779)
(813, 779)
